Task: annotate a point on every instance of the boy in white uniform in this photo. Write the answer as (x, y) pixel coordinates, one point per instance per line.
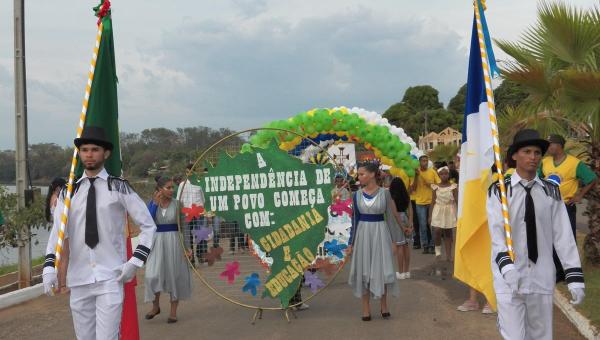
(95, 241)
(539, 220)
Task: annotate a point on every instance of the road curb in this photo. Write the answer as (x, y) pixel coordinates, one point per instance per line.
(580, 322)
(21, 295)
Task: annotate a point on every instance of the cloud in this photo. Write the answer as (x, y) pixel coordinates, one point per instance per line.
(244, 74)
(238, 70)
(250, 8)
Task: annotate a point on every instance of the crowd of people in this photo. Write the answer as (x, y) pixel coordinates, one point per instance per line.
(389, 214)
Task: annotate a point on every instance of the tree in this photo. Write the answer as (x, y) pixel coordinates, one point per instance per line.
(420, 112)
(15, 220)
(400, 115)
(457, 103)
(46, 161)
(443, 153)
(438, 120)
(558, 64)
(509, 94)
(7, 166)
(161, 138)
(424, 97)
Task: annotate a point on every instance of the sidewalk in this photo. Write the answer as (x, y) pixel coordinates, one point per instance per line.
(426, 309)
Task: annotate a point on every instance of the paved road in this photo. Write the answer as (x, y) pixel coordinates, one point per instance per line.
(425, 310)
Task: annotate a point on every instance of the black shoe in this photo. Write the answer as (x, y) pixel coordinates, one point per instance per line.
(432, 250)
(171, 320)
(416, 246)
(425, 250)
(386, 315)
(366, 318)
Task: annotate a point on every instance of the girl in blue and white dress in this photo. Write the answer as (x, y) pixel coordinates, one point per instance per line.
(373, 236)
(167, 268)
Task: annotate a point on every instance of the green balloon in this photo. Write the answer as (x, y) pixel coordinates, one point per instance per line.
(246, 148)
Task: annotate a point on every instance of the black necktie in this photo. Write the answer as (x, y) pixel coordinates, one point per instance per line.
(530, 225)
(91, 223)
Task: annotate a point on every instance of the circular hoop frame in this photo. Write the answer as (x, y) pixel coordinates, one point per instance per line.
(182, 240)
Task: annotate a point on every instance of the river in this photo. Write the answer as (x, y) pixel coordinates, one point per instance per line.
(39, 241)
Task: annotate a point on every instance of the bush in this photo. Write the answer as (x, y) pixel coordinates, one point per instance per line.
(15, 221)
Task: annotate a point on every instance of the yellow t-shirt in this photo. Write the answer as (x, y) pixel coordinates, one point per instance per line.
(423, 193)
(567, 174)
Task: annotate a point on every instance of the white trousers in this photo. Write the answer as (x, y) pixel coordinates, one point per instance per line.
(525, 316)
(96, 310)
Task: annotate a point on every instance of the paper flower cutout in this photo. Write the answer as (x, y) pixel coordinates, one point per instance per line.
(232, 269)
(252, 282)
(201, 234)
(333, 248)
(326, 266)
(313, 281)
(192, 212)
(213, 255)
(340, 207)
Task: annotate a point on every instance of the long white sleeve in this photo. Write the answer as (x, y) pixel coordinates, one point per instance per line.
(565, 246)
(50, 259)
(496, 225)
(137, 209)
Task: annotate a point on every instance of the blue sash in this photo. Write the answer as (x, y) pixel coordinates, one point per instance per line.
(163, 228)
(371, 217)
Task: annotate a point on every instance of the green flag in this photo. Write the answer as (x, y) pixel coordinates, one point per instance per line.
(102, 108)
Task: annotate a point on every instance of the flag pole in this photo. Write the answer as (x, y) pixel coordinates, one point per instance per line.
(494, 125)
(65, 214)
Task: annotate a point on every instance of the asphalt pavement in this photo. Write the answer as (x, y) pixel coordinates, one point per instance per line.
(426, 309)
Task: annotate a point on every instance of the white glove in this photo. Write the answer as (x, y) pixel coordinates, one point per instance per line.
(512, 279)
(50, 281)
(578, 294)
(126, 272)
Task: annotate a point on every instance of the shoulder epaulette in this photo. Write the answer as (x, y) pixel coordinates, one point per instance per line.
(119, 184)
(63, 190)
(551, 189)
(494, 189)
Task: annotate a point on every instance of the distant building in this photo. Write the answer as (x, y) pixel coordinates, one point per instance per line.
(448, 136)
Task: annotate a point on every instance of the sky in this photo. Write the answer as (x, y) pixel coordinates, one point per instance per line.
(242, 63)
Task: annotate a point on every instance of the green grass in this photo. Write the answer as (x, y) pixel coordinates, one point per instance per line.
(590, 308)
(13, 267)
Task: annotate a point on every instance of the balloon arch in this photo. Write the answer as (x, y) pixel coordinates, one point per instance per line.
(389, 143)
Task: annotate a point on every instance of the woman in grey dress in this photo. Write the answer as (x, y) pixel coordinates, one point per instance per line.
(167, 268)
(375, 229)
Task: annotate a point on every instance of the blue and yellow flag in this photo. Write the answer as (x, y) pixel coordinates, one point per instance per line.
(473, 244)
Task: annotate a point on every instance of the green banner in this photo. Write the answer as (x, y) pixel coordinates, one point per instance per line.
(280, 202)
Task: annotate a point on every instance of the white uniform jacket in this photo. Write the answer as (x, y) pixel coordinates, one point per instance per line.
(552, 227)
(114, 200)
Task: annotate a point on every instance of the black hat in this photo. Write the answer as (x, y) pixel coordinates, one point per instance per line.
(527, 137)
(558, 139)
(93, 135)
